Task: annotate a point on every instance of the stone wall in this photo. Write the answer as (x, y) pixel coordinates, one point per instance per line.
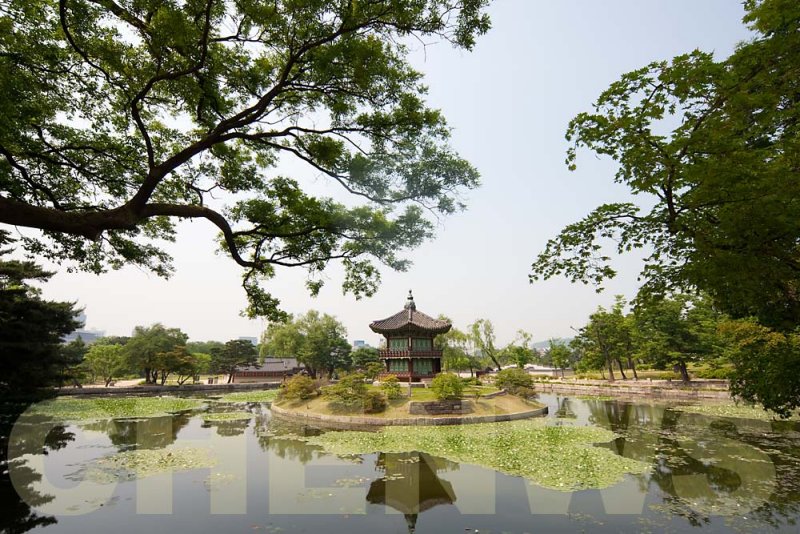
(444, 407)
(645, 388)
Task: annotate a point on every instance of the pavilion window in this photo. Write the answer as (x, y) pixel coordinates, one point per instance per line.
(398, 343)
(421, 343)
(398, 366)
(423, 366)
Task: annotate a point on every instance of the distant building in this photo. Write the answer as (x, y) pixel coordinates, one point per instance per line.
(361, 344)
(273, 369)
(87, 335)
(253, 340)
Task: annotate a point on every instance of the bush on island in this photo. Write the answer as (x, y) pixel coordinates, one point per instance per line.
(350, 394)
(447, 386)
(514, 380)
(299, 387)
(391, 387)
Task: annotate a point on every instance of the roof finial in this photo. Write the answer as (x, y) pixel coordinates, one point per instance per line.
(410, 305)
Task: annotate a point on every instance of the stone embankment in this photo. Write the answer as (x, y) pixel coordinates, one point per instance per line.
(163, 390)
(357, 422)
(662, 389)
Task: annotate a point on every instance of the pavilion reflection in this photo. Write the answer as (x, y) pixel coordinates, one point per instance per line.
(410, 484)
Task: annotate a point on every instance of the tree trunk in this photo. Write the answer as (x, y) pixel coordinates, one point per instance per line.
(147, 375)
(610, 370)
(230, 378)
(684, 371)
(621, 370)
(632, 366)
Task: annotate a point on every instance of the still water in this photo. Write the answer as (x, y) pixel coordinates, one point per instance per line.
(707, 474)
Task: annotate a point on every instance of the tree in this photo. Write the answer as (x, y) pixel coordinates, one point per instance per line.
(675, 331)
(560, 354)
(456, 348)
(767, 364)
(147, 343)
(606, 339)
(123, 117)
(519, 351)
(178, 361)
(70, 357)
(363, 356)
(105, 361)
(724, 182)
(317, 341)
(235, 354)
(447, 386)
(481, 334)
(31, 328)
(203, 347)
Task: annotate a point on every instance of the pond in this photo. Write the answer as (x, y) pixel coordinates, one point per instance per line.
(221, 467)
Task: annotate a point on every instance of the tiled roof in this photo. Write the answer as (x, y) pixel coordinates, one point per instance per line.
(410, 319)
(272, 364)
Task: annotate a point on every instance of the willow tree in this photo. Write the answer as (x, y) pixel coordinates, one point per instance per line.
(119, 118)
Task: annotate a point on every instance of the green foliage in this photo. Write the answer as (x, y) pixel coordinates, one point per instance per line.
(178, 361)
(374, 401)
(267, 395)
(317, 341)
(481, 335)
(519, 351)
(105, 361)
(299, 387)
(70, 357)
(234, 354)
(121, 118)
(560, 354)
(766, 363)
(675, 331)
(456, 348)
(447, 386)
(390, 386)
(31, 328)
(606, 339)
(374, 369)
(75, 409)
(348, 395)
(723, 183)
(514, 380)
(363, 356)
(561, 458)
(144, 348)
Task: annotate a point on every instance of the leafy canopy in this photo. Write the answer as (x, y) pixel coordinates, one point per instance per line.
(117, 118)
(714, 147)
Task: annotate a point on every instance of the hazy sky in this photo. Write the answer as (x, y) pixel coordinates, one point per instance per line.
(509, 102)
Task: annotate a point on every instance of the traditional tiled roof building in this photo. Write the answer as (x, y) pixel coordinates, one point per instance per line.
(410, 353)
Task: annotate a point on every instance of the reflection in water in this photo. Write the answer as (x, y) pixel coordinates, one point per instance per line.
(706, 466)
(145, 433)
(410, 484)
(710, 472)
(16, 515)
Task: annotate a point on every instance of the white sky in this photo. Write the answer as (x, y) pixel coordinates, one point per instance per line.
(509, 102)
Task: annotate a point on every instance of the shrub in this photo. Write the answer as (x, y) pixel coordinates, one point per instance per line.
(348, 395)
(391, 387)
(447, 386)
(374, 369)
(513, 380)
(299, 387)
(374, 401)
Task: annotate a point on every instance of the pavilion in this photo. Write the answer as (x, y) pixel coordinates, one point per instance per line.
(410, 353)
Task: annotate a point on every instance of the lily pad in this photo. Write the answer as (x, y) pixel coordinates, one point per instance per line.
(556, 457)
(81, 409)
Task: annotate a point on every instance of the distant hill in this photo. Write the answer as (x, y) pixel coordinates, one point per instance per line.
(545, 344)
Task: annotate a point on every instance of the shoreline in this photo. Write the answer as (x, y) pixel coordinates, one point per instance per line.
(657, 389)
(356, 422)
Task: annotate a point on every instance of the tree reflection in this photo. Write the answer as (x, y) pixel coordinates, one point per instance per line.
(146, 433)
(16, 515)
